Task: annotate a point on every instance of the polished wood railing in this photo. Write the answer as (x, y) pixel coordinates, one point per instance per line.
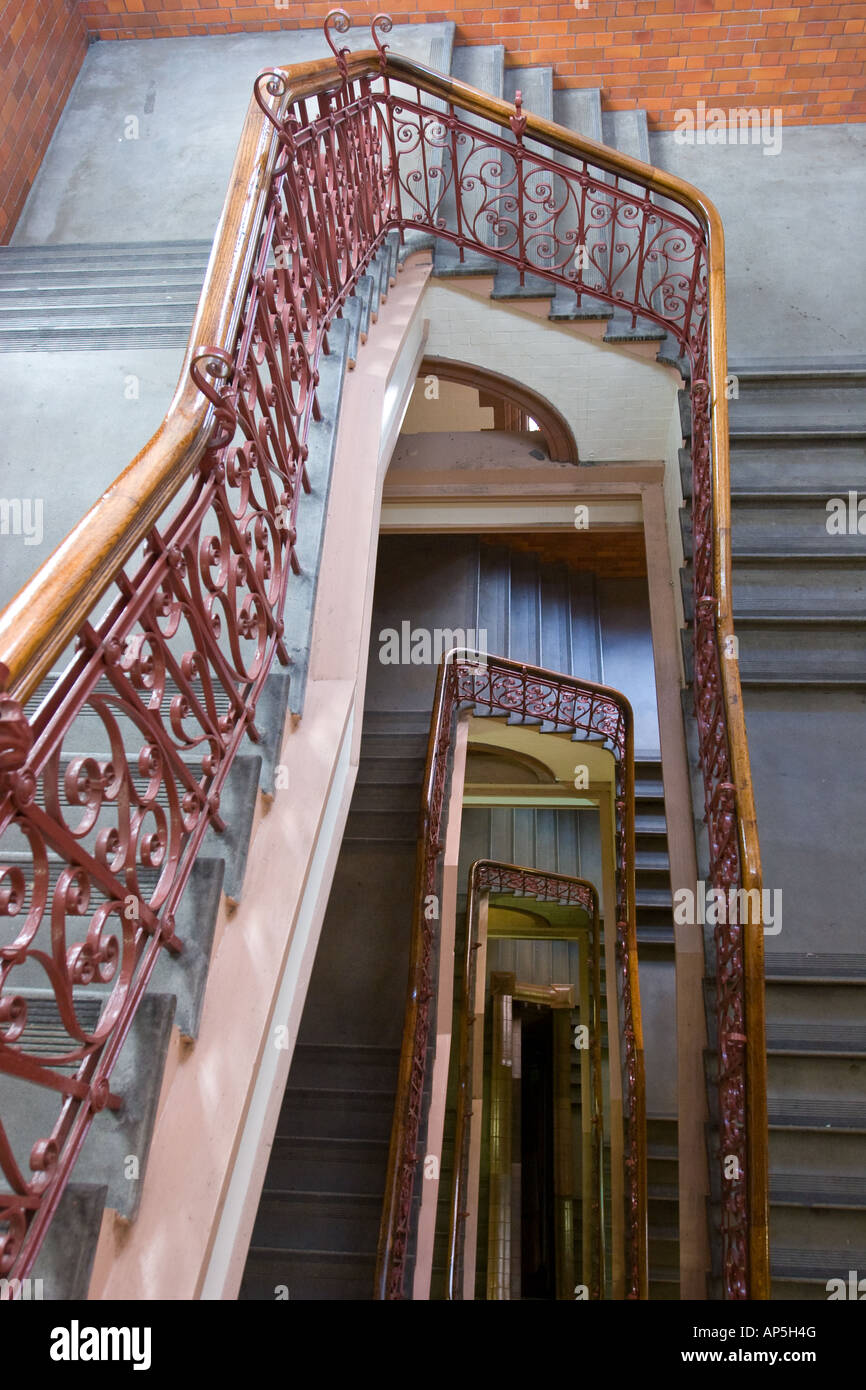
(488, 878)
(558, 704)
(176, 643)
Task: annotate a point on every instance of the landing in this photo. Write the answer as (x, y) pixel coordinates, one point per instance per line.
(145, 145)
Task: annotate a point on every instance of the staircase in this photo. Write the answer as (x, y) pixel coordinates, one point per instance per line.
(318, 1221)
(798, 436)
(176, 995)
(797, 440)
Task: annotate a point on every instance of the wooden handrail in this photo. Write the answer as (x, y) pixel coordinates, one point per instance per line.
(50, 609)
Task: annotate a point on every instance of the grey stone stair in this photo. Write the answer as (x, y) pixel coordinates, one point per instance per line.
(536, 88)
(318, 1218)
(481, 66)
(95, 278)
(319, 1213)
(794, 1269)
(627, 132)
(110, 296)
(315, 1275)
(102, 1175)
(814, 967)
(797, 439)
(831, 1191)
(807, 1039)
(76, 298)
(579, 110)
(662, 1207)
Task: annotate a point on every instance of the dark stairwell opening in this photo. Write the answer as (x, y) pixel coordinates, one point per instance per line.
(539, 598)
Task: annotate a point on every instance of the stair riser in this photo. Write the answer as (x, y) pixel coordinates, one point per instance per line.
(828, 1078)
(827, 468)
(821, 1155)
(825, 589)
(293, 1167)
(345, 1068)
(351, 1118)
(815, 1003)
(271, 1277)
(311, 1223)
(811, 1226)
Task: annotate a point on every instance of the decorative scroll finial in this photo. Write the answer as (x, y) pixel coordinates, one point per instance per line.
(218, 365)
(381, 23)
(276, 84)
(340, 23)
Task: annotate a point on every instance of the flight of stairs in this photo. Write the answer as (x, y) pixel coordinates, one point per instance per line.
(798, 439)
(317, 1227)
(580, 110)
(663, 1207)
(178, 985)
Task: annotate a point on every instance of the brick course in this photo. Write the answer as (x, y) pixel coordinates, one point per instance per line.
(775, 51)
(808, 60)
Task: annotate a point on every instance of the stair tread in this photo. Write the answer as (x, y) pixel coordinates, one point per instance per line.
(824, 1036)
(795, 965)
(815, 1113)
(818, 1190)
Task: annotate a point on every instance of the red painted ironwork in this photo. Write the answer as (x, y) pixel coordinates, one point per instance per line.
(109, 788)
(494, 877)
(560, 704)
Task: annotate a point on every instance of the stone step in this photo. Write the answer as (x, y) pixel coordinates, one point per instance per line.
(818, 1191)
(832, 586)
(387, 796)
(814, 967)
(792, 399)
(336, 1113)
(312, 1275)
(826, 1038)
(818, 1154)
(816, 1114)
(818, 1228)
(481, 66)
(799, 1002)
(345, 1066)
(824, 467)
(333, 1221)
(304, 1163)
(786, 527)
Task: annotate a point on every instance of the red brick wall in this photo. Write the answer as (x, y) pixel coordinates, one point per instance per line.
(43, 44)
(808, 59)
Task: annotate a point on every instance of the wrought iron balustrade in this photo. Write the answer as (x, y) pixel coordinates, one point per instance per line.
(169, 593)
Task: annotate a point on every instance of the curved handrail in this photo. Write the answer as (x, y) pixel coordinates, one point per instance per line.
(560, 703)
(494, 876)
(56, 605)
